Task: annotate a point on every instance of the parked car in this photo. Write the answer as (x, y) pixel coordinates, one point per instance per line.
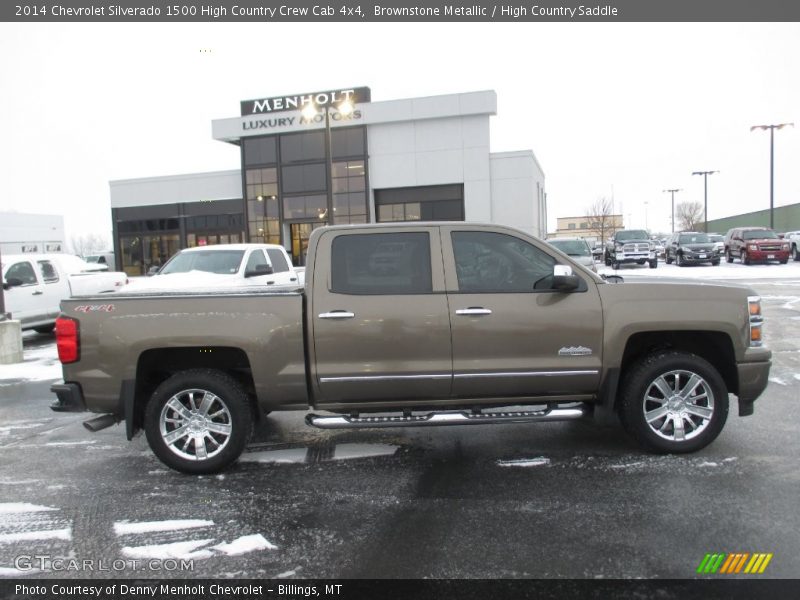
(35, 284)
(481, 317)
(630, 246)
(755, 244)
(222, 265)
(101, 258)
(793, 238)
(575, 248)
(690, 247)
(658, 247)
(719, 242)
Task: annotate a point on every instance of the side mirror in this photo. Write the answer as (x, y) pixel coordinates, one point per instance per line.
(261, 269)
(12, 282)
(564, 280)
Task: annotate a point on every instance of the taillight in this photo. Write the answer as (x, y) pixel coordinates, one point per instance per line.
(67, 340)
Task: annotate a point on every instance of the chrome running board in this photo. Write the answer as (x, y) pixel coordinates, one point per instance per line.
(551, 413)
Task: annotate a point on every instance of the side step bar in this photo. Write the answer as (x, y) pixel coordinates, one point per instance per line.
(551, 413)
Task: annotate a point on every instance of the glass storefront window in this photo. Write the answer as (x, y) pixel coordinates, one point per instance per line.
(349, 197)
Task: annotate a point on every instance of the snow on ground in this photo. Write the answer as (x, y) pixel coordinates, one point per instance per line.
(244, 544)
(723, 271)
(22, 507)
(39, 364)
(177, 550)
(43, 534)
(292, 455)
(127, 528)
(349, 451)
(539, 461)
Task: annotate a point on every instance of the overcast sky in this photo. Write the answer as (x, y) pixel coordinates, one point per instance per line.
(622, 109)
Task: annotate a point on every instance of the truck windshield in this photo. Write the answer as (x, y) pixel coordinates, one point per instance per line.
(694, 238)
(632, 234)
(223, 262)
(572, 247)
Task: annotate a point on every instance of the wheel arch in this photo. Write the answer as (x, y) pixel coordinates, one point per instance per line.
(715, 347)
(156, 365)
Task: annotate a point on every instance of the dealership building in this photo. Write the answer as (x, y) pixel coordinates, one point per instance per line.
(332, 157)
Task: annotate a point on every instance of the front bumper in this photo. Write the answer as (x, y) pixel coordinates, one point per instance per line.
(701, 257)
(69, 398)
(765, 255)
(753, 378)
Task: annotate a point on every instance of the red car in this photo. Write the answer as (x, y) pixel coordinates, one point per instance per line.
(755, 244)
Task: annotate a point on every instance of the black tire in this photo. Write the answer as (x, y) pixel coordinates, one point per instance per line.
(745, 257)
(795, 254)
(607, 259)
(679, 260)
(641, 389)
(784, 261)
(615, 264)
(228, 409)
(728, 256)
(715, 263)
(667, 259)
(654, 263)
(45, 328)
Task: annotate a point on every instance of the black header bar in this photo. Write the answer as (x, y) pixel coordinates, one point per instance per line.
(532, 11)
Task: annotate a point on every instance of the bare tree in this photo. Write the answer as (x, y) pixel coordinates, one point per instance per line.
(601, 218)
(689, 215)
(87, 243)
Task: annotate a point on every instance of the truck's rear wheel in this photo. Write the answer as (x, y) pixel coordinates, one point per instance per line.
(673, 402)
(198, 421)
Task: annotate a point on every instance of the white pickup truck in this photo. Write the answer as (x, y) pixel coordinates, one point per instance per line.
(35, 284)
(222, 266)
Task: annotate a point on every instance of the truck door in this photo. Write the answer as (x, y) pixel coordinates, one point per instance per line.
(26, 302)
(513, 335)
(379, 317)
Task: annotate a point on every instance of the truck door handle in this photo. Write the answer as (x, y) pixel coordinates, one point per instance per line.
(292, 278)
(337, 314)
(474, 310)
(37, 293)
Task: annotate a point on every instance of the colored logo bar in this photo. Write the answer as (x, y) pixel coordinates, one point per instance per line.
(734, 563)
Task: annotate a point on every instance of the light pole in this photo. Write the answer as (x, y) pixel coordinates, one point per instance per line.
(772, 129)
(673, 206)
(705, 175)
(309, 112)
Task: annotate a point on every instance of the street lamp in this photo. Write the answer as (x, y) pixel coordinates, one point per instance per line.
(772, 129)
(310, 112)
(673, 206)
(705, 175)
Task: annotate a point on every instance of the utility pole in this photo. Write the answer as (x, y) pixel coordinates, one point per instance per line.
(705, 175)
(673, 206)
(772, 129)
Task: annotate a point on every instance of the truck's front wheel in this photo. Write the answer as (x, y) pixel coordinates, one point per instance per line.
(198, 421)
(673, 402)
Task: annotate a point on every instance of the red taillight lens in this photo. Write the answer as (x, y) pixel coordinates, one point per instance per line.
(67, 340)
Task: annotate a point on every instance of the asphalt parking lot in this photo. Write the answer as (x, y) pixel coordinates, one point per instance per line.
(490, 501)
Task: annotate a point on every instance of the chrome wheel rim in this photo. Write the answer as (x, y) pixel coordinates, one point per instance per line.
(678, 405)
(195, 424)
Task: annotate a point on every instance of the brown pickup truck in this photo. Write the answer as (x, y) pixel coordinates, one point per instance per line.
(414, 325)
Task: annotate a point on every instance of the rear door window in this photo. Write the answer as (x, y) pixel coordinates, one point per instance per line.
(385, 263)
(279, 264)
(48, 271)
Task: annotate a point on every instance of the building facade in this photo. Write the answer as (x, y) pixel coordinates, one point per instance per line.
(333, 157)
(592, 229)
(23, 232)
(785, 218)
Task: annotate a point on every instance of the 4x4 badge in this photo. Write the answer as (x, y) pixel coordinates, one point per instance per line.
(575, 351)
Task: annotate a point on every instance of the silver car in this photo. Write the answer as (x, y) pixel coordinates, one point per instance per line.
(575, 248)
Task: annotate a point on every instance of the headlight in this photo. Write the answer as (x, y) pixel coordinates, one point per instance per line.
(786, 246)
(752, 247)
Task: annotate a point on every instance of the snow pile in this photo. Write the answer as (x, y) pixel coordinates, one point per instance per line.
(244, 544)
(539, 461)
